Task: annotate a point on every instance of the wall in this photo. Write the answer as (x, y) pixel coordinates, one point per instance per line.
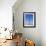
(35, 34)
(6, 16)
(6, 13)
(43, 23)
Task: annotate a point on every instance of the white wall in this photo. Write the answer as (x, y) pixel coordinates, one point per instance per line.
(30, 33)
(43, 23)
(6, 13)
(35, 34)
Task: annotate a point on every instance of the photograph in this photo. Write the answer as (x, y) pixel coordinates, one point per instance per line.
(29, 19)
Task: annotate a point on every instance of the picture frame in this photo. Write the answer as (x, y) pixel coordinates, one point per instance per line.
(29, 19)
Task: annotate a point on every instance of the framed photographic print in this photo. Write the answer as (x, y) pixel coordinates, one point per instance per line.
(29, 19)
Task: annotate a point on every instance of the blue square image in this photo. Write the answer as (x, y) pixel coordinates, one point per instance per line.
(28, 19)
